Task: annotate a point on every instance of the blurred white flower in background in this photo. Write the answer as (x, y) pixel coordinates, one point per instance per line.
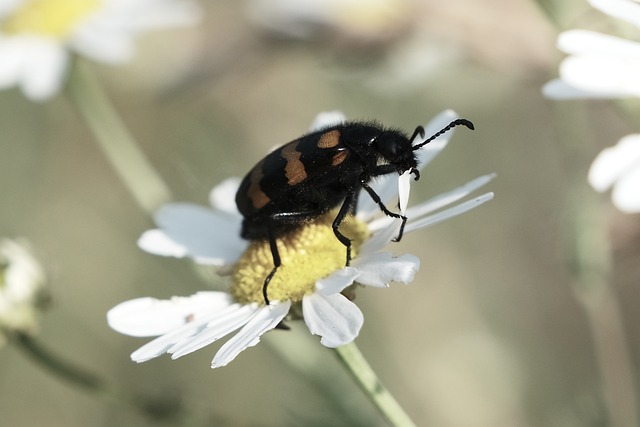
(312, 276)
(37, 37)
(604, 66)
(22, 290)
(619, 167)
(356, 19)
(599, 65)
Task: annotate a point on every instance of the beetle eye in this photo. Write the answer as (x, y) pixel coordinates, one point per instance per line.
(389, 149)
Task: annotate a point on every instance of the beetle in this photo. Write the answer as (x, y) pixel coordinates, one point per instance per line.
(320, 171)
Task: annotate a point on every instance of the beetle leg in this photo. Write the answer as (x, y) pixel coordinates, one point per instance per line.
(347, 206)
(384, 209)
(273, 245)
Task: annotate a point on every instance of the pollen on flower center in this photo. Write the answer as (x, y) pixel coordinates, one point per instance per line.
(53, 18)
(308, 254)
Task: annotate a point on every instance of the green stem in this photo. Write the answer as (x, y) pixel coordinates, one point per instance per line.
(360, 369)
(91, 382)
(590, 264)
(57, 366)
(116, 142)
(551, 9)
(597, 295)
(65, 369)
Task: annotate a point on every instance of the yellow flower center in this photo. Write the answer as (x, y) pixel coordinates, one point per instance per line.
(53, 18)
(308, 254)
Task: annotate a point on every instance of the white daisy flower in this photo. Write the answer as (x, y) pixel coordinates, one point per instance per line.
(38, 36)
(604, 66)
(310, 281)
(599, 65)
(22, 281)
(619, 167)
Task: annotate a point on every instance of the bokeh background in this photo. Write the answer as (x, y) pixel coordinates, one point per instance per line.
(497, 329)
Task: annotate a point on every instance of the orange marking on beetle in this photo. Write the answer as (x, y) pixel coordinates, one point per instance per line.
(255, 193)
(329, 139)
(339, 157)
(294, 169)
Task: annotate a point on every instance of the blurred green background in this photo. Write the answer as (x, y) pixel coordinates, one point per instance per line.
(493, 331)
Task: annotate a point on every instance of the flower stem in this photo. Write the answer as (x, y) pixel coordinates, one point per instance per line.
(599, 300)
(116, 142)
(358, 366)
(590, 263)
(91, 382)
(60, 367)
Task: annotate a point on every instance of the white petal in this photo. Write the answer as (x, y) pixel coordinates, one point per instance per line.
(450, 197)
(448, 213)
(226, 322)
(12, 51)
(336, 319)
(560, 90)
(404, 188)
(337, 281)
(164, 343)
(143, 317)
(613, 162)
(223, 196)
(326, 119)
(380, 238)
(626, 193)
(603, 67)
(103, 44)
(381, 268)
(169, 341)
(591, 43)
(603, 75)
(43, 69)
(158, 243)
(207, 236)
(621, 9)
(437, 202)
(266, 319)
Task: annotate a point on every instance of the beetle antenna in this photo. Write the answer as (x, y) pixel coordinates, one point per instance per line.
(419, 131)
(458, 122)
